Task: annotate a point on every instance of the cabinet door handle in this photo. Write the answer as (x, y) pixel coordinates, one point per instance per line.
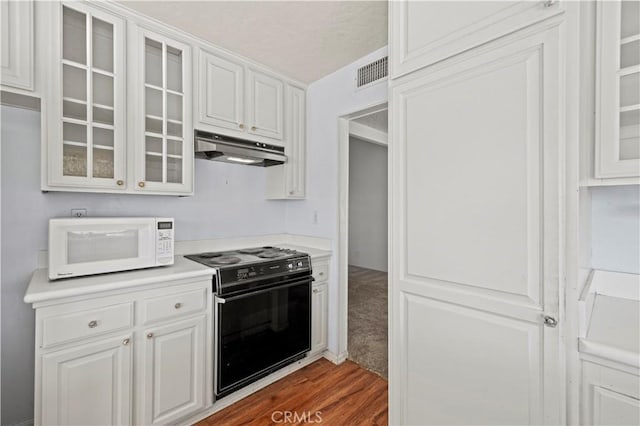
(141, 184)
(315, 290)
(241, 125)
(178, 305)
(125, 341)
(149, 335)
(254, 128)
(321, 273)
(93, 324)
(120, 182)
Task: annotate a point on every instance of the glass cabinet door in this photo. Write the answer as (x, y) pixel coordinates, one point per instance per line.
(88, 135)
(618, 94)
(165, 160)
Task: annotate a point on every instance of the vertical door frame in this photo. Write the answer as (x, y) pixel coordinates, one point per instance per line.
(343, 220)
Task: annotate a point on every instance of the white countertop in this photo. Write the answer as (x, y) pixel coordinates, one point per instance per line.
(41, 289)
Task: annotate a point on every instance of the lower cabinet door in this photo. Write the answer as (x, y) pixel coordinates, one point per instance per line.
(172, 371)
(88, 384)
(319, 318)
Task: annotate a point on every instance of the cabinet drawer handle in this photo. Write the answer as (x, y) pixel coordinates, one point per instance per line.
(178, 305)
(241, 125)
(120, 182)
(141, 184)
(93, 324)
(254, 128)
(125, 341)
(321, 273)
(149, 335)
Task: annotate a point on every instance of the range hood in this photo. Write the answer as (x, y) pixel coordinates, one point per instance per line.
(216, 147)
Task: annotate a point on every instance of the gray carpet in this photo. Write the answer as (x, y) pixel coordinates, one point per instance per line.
(368, 319)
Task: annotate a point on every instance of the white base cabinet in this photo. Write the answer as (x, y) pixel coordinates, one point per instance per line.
(127, 355)
(610, 395)
(319, 307)
(88, 384)
(172, 371)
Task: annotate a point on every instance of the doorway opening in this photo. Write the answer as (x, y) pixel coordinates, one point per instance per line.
(364, 237)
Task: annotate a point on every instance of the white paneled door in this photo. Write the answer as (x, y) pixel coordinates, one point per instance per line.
(476, 232)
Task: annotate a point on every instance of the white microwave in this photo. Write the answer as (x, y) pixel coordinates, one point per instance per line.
(87, 246)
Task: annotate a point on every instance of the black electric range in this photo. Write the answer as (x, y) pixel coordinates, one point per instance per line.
(262, 312)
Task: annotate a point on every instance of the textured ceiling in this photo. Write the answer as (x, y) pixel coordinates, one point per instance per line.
(377, 120)
(305, 40)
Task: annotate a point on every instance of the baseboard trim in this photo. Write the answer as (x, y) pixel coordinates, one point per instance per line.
(336, 358)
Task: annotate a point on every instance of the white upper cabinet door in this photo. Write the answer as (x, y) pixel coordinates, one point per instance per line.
(618, 89)
(221, 93)
(266, 105)
(89, 384)
(475, 161)
(288, 181)
(172, 372)
(85, 139)
(425, 32)
(17, 44)
(163, 134)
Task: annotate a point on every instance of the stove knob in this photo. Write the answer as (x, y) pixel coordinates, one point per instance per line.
(290, 266)
(300, 264)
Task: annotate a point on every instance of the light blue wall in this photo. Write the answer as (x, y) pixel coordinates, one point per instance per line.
(615, 228)
(229, 202)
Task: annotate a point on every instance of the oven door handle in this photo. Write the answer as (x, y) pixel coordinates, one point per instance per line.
(293, 283)
(219, 300)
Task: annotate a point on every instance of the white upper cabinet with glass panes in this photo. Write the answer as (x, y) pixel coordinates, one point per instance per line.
(164, 138)
(118, 106)
(85, 125)
(618, 90)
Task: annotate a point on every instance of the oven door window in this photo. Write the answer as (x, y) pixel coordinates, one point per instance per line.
(257, 331)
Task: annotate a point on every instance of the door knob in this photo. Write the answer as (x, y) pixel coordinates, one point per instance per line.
(550, 321)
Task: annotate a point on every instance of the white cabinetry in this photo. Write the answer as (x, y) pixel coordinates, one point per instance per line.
(221, 94)
(173, 366)
(88, 384)
(423, 33)
(610, 396)
(163, 140)
(266, 105)
(85, 365)
(289, 179)
(17, 44)
(319, 307)
(239, 100)
(618, 89)
(85, 96)
(467, 273)
(117, 114)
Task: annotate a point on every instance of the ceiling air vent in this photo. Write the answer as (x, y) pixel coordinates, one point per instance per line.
(372, 72)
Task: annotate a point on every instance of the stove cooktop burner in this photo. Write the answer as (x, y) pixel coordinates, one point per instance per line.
(225, 260)
(210, 255)
(271, 254)
(252, 250)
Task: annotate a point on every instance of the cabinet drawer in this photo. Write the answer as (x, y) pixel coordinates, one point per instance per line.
(84, 324)
(174, 305)
(320, 272)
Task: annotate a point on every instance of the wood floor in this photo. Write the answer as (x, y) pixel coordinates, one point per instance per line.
(320, 393)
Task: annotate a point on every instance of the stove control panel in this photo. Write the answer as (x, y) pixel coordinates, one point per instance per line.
(267, 269)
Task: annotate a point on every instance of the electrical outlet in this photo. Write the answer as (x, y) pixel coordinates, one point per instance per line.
(78, 212)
